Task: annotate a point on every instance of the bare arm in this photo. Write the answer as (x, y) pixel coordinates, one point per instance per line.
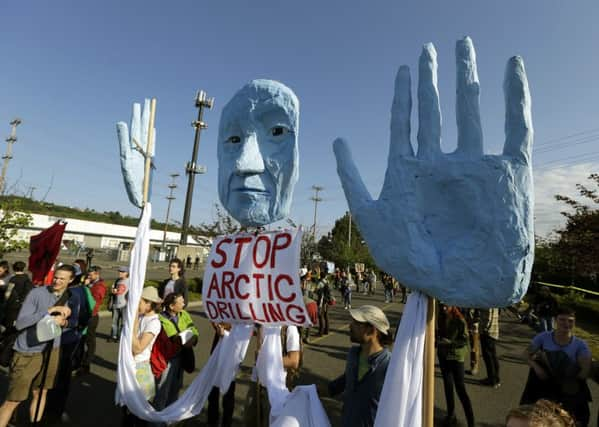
(585, 366)
(291, 360)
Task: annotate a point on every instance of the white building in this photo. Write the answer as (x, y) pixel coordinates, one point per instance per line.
(106, 236)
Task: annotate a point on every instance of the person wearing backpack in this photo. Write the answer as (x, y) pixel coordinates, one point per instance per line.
(177, 324)
(71, 341)
(35, 363)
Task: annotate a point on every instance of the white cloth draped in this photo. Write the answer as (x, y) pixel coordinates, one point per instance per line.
(400, 404)
(300, 408)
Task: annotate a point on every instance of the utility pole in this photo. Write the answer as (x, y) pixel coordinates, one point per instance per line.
(10, 140)
(30, 192)
(170, 198)
(202, 101)
(317, 189)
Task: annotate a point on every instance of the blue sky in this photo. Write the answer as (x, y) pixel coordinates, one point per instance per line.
(72, 69)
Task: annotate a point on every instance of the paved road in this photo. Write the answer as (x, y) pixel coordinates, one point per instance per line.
(91, 399)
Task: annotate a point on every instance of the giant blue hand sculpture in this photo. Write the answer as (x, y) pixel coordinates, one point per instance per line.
(132, 151)
(456, 226)
(258, 161)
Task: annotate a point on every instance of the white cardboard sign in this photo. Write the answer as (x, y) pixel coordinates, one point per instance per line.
(254, 278)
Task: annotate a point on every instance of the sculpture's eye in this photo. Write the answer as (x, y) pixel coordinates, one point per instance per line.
(234, 139)
(279, 131)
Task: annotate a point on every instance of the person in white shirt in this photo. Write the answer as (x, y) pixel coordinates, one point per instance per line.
(146, 328)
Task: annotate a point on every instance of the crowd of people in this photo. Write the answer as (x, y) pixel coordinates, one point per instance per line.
(66, 315)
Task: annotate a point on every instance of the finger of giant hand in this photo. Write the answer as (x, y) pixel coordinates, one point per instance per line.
(145, 125)
(122, 131)
(400, 116)
(518, 117)
(355, 191)
(136, 126)
(470, 135)
(429, 111)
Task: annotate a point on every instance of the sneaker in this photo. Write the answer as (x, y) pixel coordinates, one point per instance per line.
(488, 382)
(497, 385)
(450, 421)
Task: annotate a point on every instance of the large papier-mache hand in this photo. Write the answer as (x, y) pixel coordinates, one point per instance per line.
(456, 226)
(132, 151)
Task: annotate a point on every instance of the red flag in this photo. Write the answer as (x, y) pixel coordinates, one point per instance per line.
(43, 249)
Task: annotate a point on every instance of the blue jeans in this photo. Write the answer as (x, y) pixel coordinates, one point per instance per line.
(169, 385)
(347, 299)
(388, 295)
(117, 322)
(546, 323)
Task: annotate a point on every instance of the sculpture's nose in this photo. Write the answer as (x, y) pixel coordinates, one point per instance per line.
(250, 159)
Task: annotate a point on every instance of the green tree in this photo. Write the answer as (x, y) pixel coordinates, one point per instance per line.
(11, 220)
(579, 239)
(337, 246)
(572, 257)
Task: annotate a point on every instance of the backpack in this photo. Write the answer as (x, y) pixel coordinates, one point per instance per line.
(162, 351)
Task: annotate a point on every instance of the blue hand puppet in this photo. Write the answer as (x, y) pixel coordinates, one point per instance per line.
(132, 151)
(258, 162)
(456, 226)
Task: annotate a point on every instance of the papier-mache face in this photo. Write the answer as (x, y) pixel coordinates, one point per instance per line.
(257, 153)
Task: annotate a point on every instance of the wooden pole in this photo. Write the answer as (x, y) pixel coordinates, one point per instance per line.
(428, 401)
(148, 151)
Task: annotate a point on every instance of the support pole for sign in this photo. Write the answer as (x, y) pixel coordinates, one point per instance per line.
(149, 150)
(428, 401)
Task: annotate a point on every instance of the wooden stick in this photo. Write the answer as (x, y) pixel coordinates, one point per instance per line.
(149, 149)
(428, 401)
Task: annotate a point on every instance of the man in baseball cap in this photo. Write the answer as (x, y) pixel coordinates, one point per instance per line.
(362, 381)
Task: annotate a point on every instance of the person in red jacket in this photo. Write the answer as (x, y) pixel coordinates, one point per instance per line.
(98, 290)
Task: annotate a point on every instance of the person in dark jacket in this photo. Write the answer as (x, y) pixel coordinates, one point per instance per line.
(176, 282)
(362, 381)
(452, 332)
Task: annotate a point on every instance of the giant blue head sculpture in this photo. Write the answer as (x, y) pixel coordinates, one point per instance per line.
(257, 153)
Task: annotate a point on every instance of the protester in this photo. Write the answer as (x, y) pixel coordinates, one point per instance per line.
(545, 308)
(489, 334)
(367, 363)
(96, 286)
(17, 289)
(323, 299)
(542, 413)
(118, 303)
(472, 316)
(257, 408)
(228, 397)
(35, 363)
(345, 288)
(146, 327)
(70, 346)
(388, 287)
(4, 278)
(176, 323)
(176, 282)
(452, 332)
(560, 364)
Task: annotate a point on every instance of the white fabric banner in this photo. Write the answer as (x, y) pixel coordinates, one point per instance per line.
(254, 278)
(220, 369)
(400, 404)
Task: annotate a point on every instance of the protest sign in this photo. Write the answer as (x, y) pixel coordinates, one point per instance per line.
(254, 278)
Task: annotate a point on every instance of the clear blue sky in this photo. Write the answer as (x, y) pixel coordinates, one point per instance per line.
(72, 69)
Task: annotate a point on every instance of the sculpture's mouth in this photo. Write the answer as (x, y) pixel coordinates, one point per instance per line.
(251, 190)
